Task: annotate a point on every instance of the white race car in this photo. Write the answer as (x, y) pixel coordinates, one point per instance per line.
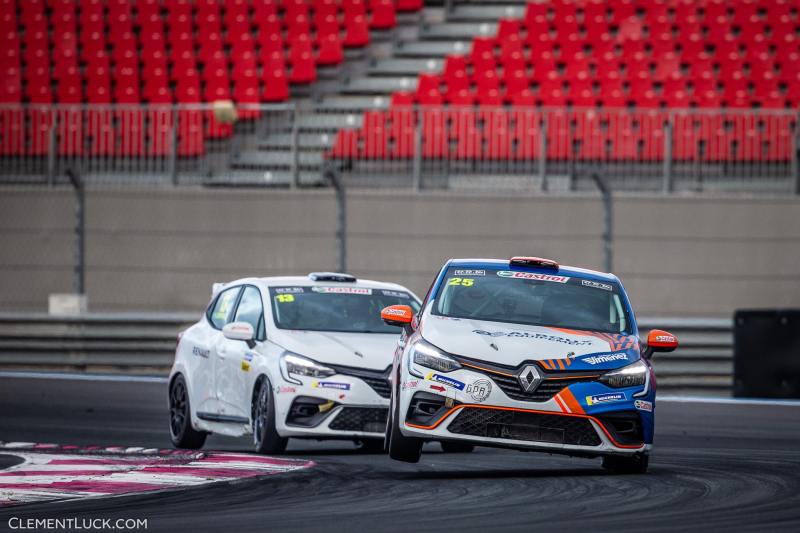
(287, 357)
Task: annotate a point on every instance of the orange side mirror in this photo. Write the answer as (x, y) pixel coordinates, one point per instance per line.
(661, 341)
(397, 315)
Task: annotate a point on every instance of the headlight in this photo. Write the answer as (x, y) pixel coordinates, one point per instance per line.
(430, 356)
(292, 364)
(632, 375)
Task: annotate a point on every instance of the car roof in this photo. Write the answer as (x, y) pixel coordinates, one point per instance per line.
(562, 269)
(305, 281)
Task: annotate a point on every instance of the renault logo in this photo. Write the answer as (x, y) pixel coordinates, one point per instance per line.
(529, 378)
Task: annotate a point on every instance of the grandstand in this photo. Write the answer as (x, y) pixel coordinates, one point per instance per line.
(658, 94)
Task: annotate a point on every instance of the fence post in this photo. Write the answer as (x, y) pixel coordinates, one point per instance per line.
(667, 176)
(172, 167)
(79, 277)
(608, 221)
(416, 169)
(332, 175)
(295, 145)
(543, 156)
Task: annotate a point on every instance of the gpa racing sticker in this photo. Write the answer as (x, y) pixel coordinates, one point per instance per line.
(343, 290)
(596, 285)
(643, 405)
(532, 275)
(330, 385)
(479, 390)
(446, 380)
(605, 398)
(469, 273)
(598, 359)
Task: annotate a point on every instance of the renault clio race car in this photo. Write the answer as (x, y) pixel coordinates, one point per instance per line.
(287, 357)
(526, 354)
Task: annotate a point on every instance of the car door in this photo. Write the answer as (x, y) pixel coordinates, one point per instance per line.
(236, 358)
(219, 314)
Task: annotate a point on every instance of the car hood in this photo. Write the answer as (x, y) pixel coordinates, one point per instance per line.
(361, 350)
(513, 344)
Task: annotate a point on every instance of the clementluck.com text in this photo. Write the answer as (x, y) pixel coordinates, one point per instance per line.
(76, 524)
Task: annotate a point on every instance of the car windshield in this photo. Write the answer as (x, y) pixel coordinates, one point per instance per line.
(338, 308)
(536, 299)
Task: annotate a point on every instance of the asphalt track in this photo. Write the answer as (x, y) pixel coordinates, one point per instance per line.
(716, 466)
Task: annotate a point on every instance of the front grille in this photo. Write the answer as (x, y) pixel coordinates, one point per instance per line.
(518, 425)
(366, 419)
(511, 387)
(377, 379)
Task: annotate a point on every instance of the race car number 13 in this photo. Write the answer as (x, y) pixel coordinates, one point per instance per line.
(465, 282)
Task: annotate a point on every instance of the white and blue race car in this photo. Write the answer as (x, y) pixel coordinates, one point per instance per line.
(526, 354)
(287, 357)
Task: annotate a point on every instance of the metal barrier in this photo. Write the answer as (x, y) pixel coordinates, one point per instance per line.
(411, 146)
(145, 344)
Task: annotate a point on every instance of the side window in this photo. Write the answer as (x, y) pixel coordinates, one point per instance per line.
(250, 309)
(223, 307)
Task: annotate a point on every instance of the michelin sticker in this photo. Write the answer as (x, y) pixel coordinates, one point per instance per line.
(330, 385)
(532, 275)
(605, 398)
(596, 285)
(599, 359)
(643, 405)
(445, 380)
(479, 390)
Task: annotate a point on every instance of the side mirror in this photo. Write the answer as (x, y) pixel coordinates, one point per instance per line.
(397, 315)
(240, 331)
(660, 341)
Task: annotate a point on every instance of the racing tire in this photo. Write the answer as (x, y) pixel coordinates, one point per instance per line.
(449, 446)
(265, 436)
(634, 464)
(400, 447)
(181, 432)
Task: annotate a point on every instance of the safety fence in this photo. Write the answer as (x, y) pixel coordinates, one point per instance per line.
(145, 344)
(415, 146)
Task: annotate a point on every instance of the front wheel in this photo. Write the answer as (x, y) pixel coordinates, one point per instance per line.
(265, 437)
(400, 448)
(634, 464)
(181, 432)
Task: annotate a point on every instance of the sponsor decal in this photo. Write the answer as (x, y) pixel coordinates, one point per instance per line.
(330, 385)
(342, 396)
(394, 312)
(479, 390)
(285, 390)
(284, 298)
(245, 366)
(289, 290)
(248, 357)
(450, 382)
(342, 290)
(665, 338)
(410, 384)
(437, 388)
(469, 273)
(596, 285)
(606, 398)
(538, 336)
(200, 352)
(598, 359)
(396, 294)
(643, 405)
(532, 275)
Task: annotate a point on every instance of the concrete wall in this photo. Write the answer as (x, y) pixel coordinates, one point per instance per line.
(161, 249)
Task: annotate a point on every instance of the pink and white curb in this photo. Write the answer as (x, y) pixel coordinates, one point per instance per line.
(52, 472)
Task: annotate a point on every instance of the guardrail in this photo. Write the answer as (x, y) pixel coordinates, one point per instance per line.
(144, 344)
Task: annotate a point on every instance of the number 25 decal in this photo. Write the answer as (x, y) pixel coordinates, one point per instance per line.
(465, 282)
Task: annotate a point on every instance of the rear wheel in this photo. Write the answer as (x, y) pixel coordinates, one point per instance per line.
(181, 432)
(634, 464)
(449, 446)
(400, 448)
(265, 437)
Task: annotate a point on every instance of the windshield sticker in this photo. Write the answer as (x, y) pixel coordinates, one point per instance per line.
(396, 294)
(330, 385)
(342, 290)
(598, 359)
(532, 275)
(284, 298)
(606, 398)
(538, 336)
(445, 380)
(469, 273)
(466, 282)
(289, 290)
(596, 285)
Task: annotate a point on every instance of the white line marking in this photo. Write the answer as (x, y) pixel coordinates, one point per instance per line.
(727, 401)
(83, 377)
